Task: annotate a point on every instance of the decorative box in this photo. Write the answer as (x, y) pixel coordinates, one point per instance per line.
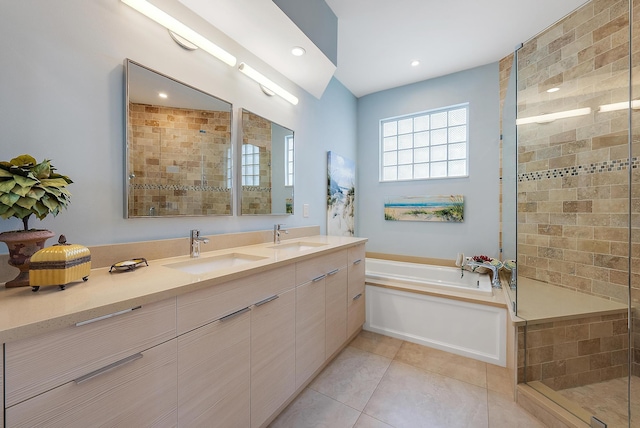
(59, 265)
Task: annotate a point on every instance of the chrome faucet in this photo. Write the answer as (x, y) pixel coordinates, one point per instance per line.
(195, 243)
(495, 280)
(277, 228)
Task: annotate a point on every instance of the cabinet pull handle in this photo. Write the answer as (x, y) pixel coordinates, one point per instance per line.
(267, 300)
(357, 296)
(104, 369)
(333, 272)
(357, 262)
(104, 317)
(319, 278)
(235, 314)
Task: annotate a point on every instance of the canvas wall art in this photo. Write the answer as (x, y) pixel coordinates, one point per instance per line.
(341, 194)
(448, 208)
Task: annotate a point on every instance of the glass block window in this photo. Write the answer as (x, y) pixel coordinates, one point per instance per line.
(229, 169)
(432, 144)
(288, 160)
(250, 165)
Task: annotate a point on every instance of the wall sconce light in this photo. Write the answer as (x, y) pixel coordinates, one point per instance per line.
(177, 27)
(546, 118)
(635, 104)
(266, 83)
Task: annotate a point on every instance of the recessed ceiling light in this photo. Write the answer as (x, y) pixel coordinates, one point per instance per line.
(298, 51)
(415, 63)
(162, 95)
(553, 90)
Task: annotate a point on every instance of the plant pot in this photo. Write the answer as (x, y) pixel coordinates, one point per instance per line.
(22, 245)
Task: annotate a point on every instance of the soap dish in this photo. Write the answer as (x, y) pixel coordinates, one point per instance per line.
(128, 265)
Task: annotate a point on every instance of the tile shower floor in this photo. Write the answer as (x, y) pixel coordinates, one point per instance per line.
(608, 400)
(382, 382)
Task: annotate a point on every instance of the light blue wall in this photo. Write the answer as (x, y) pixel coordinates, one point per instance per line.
(62, 97)
(479, 232)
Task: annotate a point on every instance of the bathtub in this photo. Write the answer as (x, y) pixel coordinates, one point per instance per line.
(429, 276)
(433, 306)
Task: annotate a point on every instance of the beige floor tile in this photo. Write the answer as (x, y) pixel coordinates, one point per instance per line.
(352, 377)
(444, 363)
(505, 413)
(499, 379)
(376, 343)
(366, 421)
(314, 410)
(410, 397)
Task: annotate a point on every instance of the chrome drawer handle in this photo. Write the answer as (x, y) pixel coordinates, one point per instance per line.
(319, 278)
(104, 369)
(357, 297)
(267, 300)
(333, 272)
(357, 262)
(104, 317)
(235, 314)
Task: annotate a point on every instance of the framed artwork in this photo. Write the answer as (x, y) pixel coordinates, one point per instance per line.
(448, 208)
(341, 195)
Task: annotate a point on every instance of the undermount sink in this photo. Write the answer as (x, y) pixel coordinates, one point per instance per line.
(211, 264)
(297, 246)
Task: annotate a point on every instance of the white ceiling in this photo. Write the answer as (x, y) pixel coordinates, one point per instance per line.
(378, 39)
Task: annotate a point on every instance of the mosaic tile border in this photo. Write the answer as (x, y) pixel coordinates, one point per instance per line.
(593, 168)
(179, 187)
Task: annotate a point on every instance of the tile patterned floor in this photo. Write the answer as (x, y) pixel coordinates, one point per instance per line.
(382, 382)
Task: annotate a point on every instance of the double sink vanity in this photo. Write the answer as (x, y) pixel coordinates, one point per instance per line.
(227, 339)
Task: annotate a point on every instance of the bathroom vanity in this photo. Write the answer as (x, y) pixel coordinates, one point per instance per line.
(230, 345)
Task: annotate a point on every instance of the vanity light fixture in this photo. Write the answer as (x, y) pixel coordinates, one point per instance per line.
(162, 95)
(298, 51)
(635, 104)
(266, 83)
(546, 118)
(181, 30)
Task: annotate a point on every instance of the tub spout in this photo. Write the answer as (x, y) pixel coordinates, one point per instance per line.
(495, 280)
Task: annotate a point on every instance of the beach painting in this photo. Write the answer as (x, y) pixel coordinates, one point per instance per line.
(341, 194)
(448, 208)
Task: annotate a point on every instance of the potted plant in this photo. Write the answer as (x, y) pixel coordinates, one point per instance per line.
(29, 188)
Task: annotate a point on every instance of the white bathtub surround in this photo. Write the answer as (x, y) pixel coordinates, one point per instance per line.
(437, 311)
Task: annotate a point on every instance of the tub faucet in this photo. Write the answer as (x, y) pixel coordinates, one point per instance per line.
(277, 228)
(195, 243)
(495, 280)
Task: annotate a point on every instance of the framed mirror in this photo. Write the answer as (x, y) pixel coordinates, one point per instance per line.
(266, 171)
(178, 148)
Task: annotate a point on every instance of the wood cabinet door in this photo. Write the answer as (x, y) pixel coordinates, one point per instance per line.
(336, 311)
(273, 355)
(214, 374)
(138, 391)
(310, 329)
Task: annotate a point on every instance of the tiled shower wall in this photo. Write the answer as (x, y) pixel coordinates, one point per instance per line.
(573, 174)
(180, 160)
(256, 131)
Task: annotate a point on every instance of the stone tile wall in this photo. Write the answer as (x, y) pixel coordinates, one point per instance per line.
(256, 130)
(571, 353)
(180, 161)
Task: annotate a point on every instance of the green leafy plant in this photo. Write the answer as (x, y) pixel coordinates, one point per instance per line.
(28, 187)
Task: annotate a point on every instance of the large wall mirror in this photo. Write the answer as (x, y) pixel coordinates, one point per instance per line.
(178, 148)
(267, 167)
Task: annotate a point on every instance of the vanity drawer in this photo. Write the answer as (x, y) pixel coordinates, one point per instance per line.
(43, 362)
(203, 306)
(140, 391)
(357, 270)
(318, 266)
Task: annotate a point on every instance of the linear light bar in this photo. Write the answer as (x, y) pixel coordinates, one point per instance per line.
(172, 24)
(546, 118)
(635, 104)
(266, 83)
